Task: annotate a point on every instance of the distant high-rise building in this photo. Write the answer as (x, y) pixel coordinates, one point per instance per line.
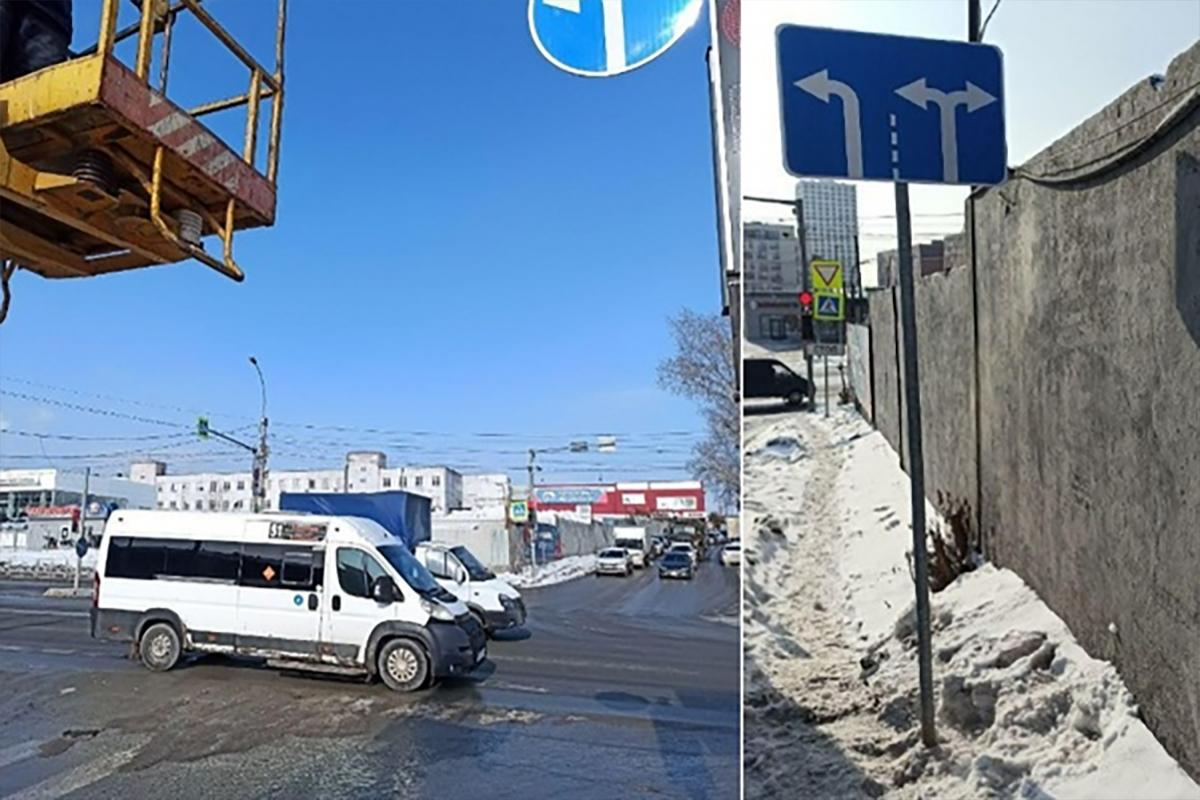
(831, 225)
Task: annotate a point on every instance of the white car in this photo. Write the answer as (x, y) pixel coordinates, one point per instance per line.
(495, 604)
(685, 547)
(731, 554)
(304, 591)
(614, 561)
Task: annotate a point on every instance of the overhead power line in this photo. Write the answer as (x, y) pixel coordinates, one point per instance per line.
(90, 409)
(370, 430)
(60, 437)
(987, 19)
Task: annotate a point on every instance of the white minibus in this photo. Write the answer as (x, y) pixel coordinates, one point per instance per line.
(333, 594)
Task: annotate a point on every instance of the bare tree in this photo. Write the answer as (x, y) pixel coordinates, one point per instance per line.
(703, 370)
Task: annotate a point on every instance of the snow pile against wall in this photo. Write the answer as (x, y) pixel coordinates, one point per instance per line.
(831, 676)
(1068, 425)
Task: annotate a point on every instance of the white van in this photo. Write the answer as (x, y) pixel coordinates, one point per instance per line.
(495, 604)
(334, 594)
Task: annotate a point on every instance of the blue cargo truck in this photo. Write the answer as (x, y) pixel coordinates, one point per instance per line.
(402, 514)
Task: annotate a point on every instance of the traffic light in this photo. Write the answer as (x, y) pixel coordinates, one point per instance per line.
(806, 316)
(202, 427)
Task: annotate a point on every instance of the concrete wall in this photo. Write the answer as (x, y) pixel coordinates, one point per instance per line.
(858, 367)
(1089, 389)
(488, 539)
(1090, 397)
(885, 355)
(582, 538)
(946, 365)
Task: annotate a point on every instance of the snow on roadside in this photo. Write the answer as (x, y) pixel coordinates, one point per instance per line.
(831, 707)
(56, 564)
(565, 569)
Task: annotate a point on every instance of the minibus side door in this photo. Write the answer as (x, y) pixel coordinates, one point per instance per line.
(351, 613)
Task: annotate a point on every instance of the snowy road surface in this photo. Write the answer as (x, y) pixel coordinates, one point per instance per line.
(617, 688)
(831, 706)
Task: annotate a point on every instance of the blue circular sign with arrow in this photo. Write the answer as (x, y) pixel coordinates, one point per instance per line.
(598, 38)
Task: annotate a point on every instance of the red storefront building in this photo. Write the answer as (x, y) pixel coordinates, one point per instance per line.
(661, 499)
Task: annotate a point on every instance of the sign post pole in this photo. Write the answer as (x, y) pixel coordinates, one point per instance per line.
(916, 460)
(905, 133)
(825, 360)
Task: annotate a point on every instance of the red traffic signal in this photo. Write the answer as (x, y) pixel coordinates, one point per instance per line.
(806, 300)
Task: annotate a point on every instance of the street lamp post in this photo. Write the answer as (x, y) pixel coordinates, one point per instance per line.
(258, 474)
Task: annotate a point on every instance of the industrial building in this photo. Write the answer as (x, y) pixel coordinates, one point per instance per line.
(364, 471)
(38, 492)
(666, 499)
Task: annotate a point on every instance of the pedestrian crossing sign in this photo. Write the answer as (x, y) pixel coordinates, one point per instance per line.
(518, 511)
(827, 276)
(829, 306)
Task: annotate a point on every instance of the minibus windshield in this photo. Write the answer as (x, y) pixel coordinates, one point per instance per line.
(412, 571)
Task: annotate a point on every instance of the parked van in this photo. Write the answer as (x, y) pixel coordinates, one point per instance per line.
(333, 594)
(495, 604)
(770, 377)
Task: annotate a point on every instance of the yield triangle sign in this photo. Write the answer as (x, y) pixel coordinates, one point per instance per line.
(827, 272)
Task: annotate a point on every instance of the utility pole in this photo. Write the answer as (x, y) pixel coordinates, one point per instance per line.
(258, 472)
(802, 235)
(531, 522)
(83, 504)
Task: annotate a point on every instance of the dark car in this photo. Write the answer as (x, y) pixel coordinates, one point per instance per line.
(768, 377)
(676, 564)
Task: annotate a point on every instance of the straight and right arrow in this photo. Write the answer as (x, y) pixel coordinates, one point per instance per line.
(921, 95)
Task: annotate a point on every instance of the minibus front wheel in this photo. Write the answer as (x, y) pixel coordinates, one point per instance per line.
(403, 665)
(160, 647)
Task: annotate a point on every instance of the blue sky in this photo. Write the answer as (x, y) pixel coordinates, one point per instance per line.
(468, 240)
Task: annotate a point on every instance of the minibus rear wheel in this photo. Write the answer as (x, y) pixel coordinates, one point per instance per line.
(159, 647)
(403, 665)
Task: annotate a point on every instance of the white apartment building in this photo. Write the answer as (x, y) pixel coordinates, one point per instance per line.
(771, 259)
(831, 225)
(362, 472)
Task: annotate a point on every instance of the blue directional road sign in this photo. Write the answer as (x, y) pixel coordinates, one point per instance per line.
(597, 38)
(874, 107)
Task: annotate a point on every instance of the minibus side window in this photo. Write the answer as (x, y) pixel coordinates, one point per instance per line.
(357, 571)
(219, 561)
(134, 558)
(302, 569)
(180, 559)
(262, 566)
